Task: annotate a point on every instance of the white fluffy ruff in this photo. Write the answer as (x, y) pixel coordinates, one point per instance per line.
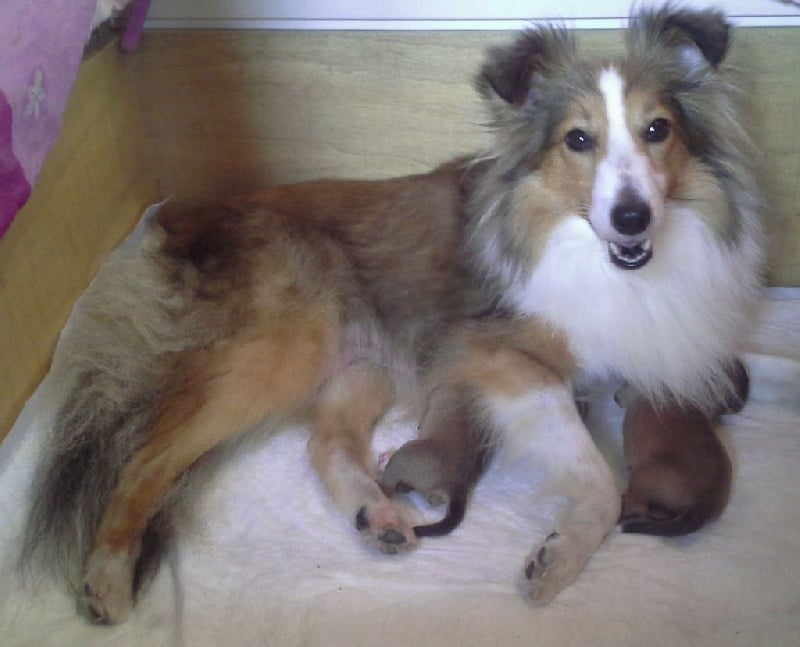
(670, 327)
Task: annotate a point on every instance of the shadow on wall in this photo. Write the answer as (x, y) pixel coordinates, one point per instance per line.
(227, 111)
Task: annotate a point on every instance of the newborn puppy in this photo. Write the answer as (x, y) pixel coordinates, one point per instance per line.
(679, 473)
(443, 468)
(422, 466)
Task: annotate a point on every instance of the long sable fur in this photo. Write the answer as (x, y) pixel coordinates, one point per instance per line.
(144, 307)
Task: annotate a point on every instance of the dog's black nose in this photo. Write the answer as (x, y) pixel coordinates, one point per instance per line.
(631, 216)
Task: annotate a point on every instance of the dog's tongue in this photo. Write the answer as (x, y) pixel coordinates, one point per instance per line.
(632, 257)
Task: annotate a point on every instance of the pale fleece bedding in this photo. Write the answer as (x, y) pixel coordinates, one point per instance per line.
(268, 561)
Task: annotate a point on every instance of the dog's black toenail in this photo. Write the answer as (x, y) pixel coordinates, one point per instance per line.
(87, 589)
(530, 569)
(540, 555)
(361, 519)
(551, 536)
(393, 537)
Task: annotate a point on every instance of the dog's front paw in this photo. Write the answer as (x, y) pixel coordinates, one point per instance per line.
(580, 529)
(384, 527)
(551, 566)
(106, 595)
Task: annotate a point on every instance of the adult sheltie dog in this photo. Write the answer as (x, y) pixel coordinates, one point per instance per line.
(609, 233)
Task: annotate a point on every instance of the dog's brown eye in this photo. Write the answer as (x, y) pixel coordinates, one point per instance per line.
(657, 131)
(579, 140)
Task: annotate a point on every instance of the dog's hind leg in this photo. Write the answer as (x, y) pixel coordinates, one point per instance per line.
(215, 393)
(349, 406)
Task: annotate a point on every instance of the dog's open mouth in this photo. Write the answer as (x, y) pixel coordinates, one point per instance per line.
(633, 257)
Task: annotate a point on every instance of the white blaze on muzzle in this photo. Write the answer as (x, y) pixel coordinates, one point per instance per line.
(626, 200)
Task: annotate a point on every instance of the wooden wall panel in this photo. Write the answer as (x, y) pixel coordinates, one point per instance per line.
(92, 189)
(234, 109)
(771, 60)
(229, 110)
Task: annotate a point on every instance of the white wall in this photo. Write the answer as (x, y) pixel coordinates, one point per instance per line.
(437, 14)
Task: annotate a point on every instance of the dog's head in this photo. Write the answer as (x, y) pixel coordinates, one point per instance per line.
(609, 141)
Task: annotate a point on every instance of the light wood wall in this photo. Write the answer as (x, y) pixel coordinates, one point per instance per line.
(208, 112)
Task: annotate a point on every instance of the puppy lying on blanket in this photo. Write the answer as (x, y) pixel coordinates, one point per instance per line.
(609, 233)
(679, 474)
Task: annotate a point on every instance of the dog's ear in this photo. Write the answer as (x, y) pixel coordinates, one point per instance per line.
(701, 38)
(512, 72)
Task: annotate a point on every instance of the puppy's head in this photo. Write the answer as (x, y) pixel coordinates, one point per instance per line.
(610, 142)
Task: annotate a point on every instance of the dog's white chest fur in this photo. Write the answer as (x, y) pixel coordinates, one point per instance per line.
(669, 325)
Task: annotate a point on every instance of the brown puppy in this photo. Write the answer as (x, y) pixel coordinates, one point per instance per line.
(679, 473)
(442, 468)
(423, 466)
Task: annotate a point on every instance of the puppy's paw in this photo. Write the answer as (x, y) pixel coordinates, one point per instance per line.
(551, 566)
(384, 527)
(106, 595)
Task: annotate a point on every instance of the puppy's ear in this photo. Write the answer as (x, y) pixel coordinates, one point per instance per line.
(702, 38)
(511, 72)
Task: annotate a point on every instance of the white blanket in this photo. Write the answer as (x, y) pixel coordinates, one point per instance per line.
(268, 560)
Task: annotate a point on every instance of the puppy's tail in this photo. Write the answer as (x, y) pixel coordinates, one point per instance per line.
(456, 509)
(109, 365)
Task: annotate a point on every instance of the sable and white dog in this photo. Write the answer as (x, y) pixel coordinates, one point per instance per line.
(610, 232)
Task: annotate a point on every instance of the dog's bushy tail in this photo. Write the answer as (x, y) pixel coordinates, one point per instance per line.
(110, 363)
